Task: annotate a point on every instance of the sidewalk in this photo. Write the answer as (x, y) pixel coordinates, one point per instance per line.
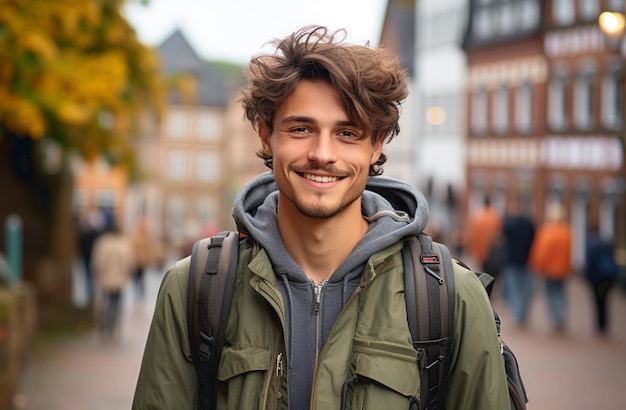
(574, 370)
(85, 372)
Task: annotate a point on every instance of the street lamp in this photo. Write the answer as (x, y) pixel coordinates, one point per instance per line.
(612, 24)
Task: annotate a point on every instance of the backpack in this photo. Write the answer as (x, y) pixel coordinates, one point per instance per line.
(428, 276)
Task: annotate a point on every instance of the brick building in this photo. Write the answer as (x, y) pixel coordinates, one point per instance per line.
(545, 110)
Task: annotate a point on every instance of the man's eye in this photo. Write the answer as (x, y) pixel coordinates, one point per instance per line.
(300, 130)
(350, 134)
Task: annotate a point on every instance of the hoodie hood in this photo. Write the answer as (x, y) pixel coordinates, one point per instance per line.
(395, 210)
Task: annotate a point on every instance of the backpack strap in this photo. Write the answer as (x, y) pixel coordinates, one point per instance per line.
(212, 275)
(429, 287)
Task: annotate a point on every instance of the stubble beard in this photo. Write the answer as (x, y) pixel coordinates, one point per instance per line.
(315, 211)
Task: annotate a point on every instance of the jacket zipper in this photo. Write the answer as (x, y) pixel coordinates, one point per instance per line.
(280, 365)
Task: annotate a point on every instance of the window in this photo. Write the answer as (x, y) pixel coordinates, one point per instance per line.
(440, 27)
(208, 169)
(557, 97)
(612, 104)
(175, 217)
(479, 111)
(588, 9)
(176, 164)
(208, 126)
(523, 108)
(508, 21)
(530, 15)
(483, 27)
(615, 5)
(177, 125)
(206, 210)
(563, 12)
(583, 100)
(500, 110)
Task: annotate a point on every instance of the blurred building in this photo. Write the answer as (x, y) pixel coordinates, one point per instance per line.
(430, 151)
(197, 156)
(440, 76)
(397, 33)
(545, 107)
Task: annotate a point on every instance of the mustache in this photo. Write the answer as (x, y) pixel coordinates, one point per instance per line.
(325, 169)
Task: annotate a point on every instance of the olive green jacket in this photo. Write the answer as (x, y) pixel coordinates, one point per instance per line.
(370, 339)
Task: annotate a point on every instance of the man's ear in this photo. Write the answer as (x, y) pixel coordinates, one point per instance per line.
(377, 149)
(264, 136)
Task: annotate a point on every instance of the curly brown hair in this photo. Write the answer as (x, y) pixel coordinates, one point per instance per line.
(371, 82)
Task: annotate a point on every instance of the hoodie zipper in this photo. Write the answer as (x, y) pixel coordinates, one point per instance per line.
(317, 289)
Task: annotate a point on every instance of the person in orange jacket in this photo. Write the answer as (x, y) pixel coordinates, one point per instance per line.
(483, 229)
(551, 258)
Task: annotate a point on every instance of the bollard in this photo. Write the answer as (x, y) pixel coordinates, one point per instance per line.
(13, 244)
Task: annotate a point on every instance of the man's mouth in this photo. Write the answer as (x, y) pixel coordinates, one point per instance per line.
(320, 178)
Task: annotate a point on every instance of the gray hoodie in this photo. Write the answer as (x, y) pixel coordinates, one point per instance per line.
(394, 209)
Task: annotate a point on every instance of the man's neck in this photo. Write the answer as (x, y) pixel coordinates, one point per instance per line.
(319, 246)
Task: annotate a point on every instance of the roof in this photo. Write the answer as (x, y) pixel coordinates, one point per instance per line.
(399, 31)
(178, 57)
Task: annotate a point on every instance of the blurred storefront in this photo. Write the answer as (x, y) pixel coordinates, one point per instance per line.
(546, 110)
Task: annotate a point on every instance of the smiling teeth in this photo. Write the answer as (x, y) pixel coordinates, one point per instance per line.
(318, 178)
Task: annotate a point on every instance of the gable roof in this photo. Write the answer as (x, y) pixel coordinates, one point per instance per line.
(178, 57)
(398, 32)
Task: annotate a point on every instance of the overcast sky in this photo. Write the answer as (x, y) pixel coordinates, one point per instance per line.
(235, 30)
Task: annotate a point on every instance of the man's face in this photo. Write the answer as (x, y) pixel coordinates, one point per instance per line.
(321, 158)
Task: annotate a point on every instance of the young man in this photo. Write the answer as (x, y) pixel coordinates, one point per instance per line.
(318, 307)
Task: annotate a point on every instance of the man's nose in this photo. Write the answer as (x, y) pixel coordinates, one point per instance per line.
(323, 148)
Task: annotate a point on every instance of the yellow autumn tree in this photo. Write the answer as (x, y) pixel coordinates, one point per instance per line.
(73, 71)
(73, 75)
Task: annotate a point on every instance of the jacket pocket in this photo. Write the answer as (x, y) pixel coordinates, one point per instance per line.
(236, 361)
(382, 381)
(245, 378)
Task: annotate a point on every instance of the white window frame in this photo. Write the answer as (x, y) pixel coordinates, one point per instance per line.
(615, 5)
(557, 97)
(479, 111)
(612, 99)
(563, 12)
(588, 9)
(175, 217)
(584, 100)
(500, 110)
(176, 166)
(206, 210)
(208, 166)
(523, 107)
(209, 126)
(177, 124)
(530, 15)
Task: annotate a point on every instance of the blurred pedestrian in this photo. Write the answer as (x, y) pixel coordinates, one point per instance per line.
(601, 272)
(518, 232)
(113, 261)
(147, 253)
(482, 229)
(93, 224)
(551, 259)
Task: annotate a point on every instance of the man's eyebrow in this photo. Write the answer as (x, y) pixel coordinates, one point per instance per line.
(301, 118)
(297, 118)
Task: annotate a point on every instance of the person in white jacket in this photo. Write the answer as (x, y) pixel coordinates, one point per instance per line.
(113, 262)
